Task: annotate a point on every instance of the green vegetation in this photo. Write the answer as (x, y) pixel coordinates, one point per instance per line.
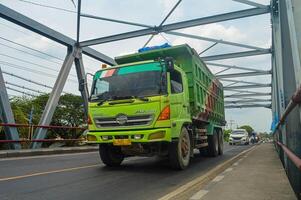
(69, 112)
(248, 128)
(227, 135)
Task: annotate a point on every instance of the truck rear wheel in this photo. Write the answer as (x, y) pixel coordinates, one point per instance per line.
(179, 151)
(220, 142)
(110, 155)
(213, 144)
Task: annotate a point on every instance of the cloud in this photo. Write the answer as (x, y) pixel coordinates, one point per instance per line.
(167, 5)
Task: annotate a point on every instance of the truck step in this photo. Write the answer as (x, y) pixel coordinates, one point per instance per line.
(203, 137)
(203, 130)
(201, 145)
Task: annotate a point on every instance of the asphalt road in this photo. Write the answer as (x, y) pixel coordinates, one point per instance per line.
(83, 176)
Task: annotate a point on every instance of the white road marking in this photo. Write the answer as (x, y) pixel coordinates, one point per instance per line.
(235, 164)
(202, 179)
(229, 169)
(47, 156)
(199, 195)
(218, 178)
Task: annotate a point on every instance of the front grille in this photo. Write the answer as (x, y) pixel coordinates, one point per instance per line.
(136, 120)
(236, 138)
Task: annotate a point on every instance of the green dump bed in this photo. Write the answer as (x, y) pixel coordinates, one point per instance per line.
(205, 91)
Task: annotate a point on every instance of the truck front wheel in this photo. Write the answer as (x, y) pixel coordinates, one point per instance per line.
(110, 155)
(179, 151)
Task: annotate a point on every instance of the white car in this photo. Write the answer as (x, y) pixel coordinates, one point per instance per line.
(239, 136)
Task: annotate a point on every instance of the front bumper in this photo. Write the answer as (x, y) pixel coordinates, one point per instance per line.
(241, 141)
(148, 135)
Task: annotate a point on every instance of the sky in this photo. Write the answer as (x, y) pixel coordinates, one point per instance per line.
(39, 59)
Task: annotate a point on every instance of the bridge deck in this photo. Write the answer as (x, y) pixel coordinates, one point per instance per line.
(258, 175)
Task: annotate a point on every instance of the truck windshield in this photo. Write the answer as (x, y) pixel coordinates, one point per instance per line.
(129, 82)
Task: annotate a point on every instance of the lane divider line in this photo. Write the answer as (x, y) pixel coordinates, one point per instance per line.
(228, 170)
(48, 172)
(218, 178)
(199, 195)
(46, 156)
(207, 177)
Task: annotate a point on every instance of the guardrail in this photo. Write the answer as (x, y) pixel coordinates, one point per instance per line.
(295, 100)
(31, 128)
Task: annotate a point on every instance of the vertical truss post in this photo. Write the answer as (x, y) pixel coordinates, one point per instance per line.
(291, 77)
(54, 97)
(6, 115)
(81, 75)
(278, 76)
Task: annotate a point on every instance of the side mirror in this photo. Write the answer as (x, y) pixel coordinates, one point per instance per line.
(169, 63)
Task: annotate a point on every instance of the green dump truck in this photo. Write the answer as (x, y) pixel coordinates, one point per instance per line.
(162, 102)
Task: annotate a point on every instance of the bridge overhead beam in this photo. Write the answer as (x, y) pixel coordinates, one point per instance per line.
(30, 24)
(234, 67)
(213, 40)
(248, 101)
(174, 32)
(243, 74)
(250, 3)
(178, 25)
(248, 95)
(239, 81)
(236, 55)
(249, 106)
(6, 115)
(248, 86)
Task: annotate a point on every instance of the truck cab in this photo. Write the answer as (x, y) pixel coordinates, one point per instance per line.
(143, 109)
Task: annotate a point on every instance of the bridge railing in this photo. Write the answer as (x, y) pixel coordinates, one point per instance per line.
(294, 102)
(28, 139)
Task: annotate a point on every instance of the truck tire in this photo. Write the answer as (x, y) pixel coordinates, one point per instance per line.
(179, 151)
(213, 145)
(220, 142)
(110, 155)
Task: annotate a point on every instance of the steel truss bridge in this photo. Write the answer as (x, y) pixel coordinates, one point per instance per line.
(285, 72)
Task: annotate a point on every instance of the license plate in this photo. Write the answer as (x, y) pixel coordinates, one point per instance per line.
(122, 142)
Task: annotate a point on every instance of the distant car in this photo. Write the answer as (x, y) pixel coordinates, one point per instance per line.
(239, 136)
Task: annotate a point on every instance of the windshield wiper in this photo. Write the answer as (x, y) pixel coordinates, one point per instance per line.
(142, 98)
(104, 100)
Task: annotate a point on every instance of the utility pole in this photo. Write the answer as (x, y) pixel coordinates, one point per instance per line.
(231, 123)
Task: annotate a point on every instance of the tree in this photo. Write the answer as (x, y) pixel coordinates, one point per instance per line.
(248, 128)
(227, 135)
(69, 112)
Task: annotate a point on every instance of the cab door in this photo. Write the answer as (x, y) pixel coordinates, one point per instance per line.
(178, 96)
